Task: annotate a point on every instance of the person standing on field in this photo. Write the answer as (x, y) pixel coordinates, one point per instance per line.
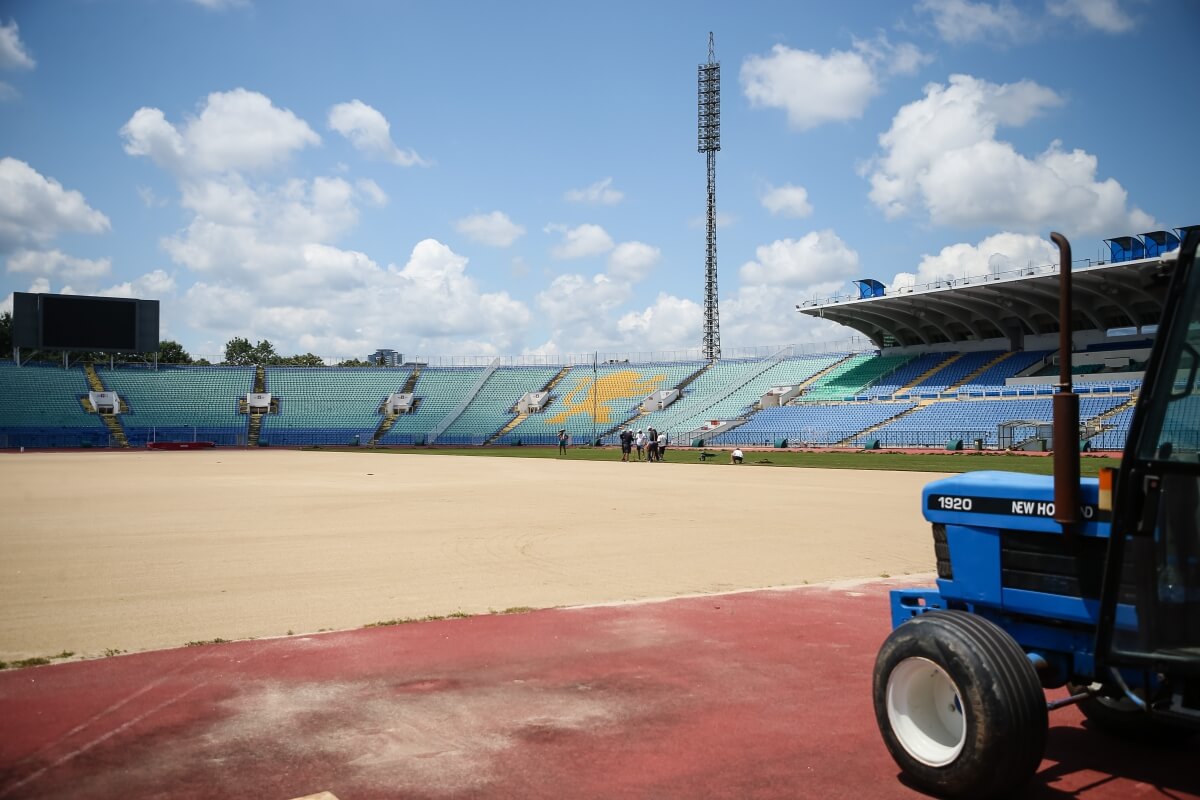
(626, 444)
(640, 443)
(562, 442)
(652, 446)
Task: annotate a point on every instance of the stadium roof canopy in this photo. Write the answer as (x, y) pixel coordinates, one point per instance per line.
(1106, 296)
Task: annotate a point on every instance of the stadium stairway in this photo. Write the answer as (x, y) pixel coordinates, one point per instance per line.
(253, 430)
(521, 417)
(868, 431)
(1099, 420)
(93, 378)
(688, 380)
(385, 425)
(968, 378)
(508, 426)
(389, 418)
(254, 426)
(110, 420)
(813, 380)
(562, 373)
(410, 385)
(924, 376)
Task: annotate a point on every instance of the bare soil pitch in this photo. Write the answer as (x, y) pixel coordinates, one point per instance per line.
(134, 551)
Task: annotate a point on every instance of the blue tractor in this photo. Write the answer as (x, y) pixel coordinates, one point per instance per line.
(1042, 583)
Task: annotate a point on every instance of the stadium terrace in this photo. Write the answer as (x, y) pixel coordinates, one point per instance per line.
(968, 363)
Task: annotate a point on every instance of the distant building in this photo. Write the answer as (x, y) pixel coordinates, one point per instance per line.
(386, 358)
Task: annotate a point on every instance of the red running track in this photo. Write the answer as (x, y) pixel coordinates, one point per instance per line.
(752, 695)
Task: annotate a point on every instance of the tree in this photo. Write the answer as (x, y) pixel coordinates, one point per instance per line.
(306, 360)
(264, 353)
(354, 362)
(170, 352)
(6, 345)
(239, 352)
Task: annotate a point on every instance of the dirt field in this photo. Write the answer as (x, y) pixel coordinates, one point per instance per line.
(134, 551)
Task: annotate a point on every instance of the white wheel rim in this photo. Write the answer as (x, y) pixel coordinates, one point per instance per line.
(925, 711)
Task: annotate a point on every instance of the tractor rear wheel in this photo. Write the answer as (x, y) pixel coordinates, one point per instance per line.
(960, 706)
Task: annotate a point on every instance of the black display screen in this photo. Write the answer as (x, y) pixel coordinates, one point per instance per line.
(89, 323)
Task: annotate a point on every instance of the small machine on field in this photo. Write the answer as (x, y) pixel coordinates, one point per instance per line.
(1090, 584)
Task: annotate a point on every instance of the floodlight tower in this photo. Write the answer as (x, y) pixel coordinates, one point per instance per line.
(708, 81)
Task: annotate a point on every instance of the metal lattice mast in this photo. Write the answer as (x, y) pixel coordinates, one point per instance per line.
(709, 142)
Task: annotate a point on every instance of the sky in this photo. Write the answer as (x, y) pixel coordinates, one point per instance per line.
(480, 178)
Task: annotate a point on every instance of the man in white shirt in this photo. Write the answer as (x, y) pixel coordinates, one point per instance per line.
(736, 456)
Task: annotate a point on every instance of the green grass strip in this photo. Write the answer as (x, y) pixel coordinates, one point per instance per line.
(831, 459)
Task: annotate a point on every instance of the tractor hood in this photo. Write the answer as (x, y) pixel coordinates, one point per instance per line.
(1007, 500)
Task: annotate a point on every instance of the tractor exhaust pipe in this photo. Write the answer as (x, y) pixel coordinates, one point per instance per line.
(1066, 405)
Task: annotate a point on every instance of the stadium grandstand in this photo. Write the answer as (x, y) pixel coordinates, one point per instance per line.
(959, 363)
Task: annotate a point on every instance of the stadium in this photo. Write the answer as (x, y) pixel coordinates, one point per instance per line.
(967, 363)
(289, 578)
(573, 613)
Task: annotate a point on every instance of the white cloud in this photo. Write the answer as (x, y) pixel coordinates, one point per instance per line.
(221, 309)
(494, 229)
(34, 209)
(1104, 15)
(370, 133)
(579, 311)
(341, 303)
(818, 261)
(147, 133)
(442, 308)
(756, 316)
(269, 267)
(235, 131)
(47, 263)
(897, 59)
(787, 200)
(941, 154)
(13, 54)
(372, 191)
(255, 235)
(632, 261)
(907, 59)
(221, 5)
(811, 88)
(599, 193)
(153, 286)
(585, 312)
(671, 323)
(581, 241)
(763, 309)
(962, 21)
(150, 198)
(1002, 252)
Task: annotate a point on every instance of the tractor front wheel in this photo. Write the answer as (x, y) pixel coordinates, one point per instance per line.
(960, 706)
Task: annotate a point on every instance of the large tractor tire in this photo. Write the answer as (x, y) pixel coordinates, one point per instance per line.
(960, 706)
(1122, 717)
